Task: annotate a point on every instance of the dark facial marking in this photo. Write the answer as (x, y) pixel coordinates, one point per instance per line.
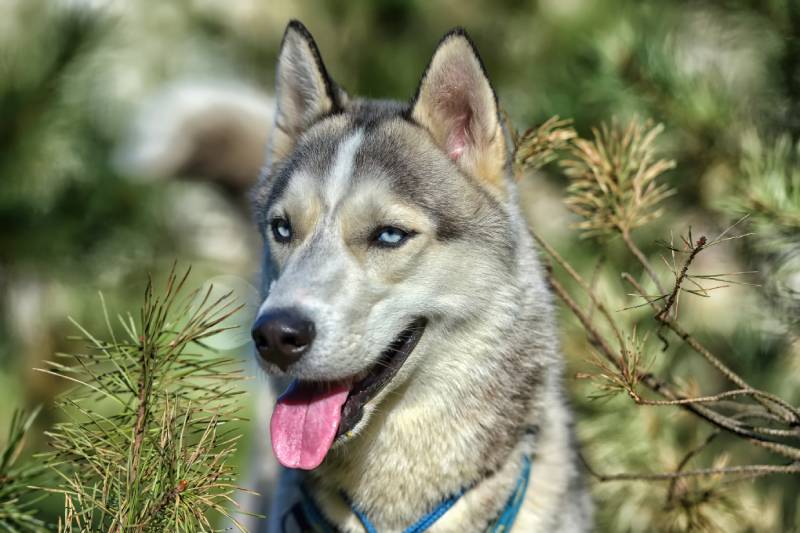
(313, 153)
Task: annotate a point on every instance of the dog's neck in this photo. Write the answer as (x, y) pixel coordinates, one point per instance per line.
(477, 505)
(460, 421)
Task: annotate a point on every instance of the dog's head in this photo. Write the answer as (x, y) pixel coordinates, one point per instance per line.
(382, 222)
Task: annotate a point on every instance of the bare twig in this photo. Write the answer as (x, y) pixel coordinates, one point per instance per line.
(626, 237)
(749, 470)
(697, 248)
(788, 413)
(688, 457)
(601, 307)
(649, 380)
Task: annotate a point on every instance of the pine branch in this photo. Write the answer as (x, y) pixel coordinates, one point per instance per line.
(614, 178)
(148, 438)
(614, 189)
(536, 147)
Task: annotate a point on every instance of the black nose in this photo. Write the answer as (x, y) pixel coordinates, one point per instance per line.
(282, 336)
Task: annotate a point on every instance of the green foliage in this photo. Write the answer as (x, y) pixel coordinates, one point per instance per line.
(148, 438)
(769, 192)
(18, 498)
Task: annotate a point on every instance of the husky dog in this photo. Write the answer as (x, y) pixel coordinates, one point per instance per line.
(407, 308)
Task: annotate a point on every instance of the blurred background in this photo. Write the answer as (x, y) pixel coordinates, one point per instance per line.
(130, 133)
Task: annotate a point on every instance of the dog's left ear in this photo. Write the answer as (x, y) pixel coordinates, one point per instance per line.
(457, 104)
(304, 92)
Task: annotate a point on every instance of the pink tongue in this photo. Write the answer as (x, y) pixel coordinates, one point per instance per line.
(304, 423)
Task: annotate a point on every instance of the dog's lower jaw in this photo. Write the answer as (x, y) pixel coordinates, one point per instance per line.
(408, 458)
(394, 500)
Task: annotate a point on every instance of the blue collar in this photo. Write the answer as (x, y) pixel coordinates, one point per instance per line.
(308, 516)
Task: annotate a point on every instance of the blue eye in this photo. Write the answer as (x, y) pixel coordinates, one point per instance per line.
(390, 237)
(281, 230)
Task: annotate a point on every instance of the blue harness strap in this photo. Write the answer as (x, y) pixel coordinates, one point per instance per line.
(313, 520)
(510, 511)
(417, 527)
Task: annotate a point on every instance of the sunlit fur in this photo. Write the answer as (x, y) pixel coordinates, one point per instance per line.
(483, 386)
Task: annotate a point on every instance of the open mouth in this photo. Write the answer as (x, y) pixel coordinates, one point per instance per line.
(310, 416)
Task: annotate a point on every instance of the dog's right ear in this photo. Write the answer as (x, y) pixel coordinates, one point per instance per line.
(303, 90)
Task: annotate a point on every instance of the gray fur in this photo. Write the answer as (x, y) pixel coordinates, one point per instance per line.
(483, 386)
